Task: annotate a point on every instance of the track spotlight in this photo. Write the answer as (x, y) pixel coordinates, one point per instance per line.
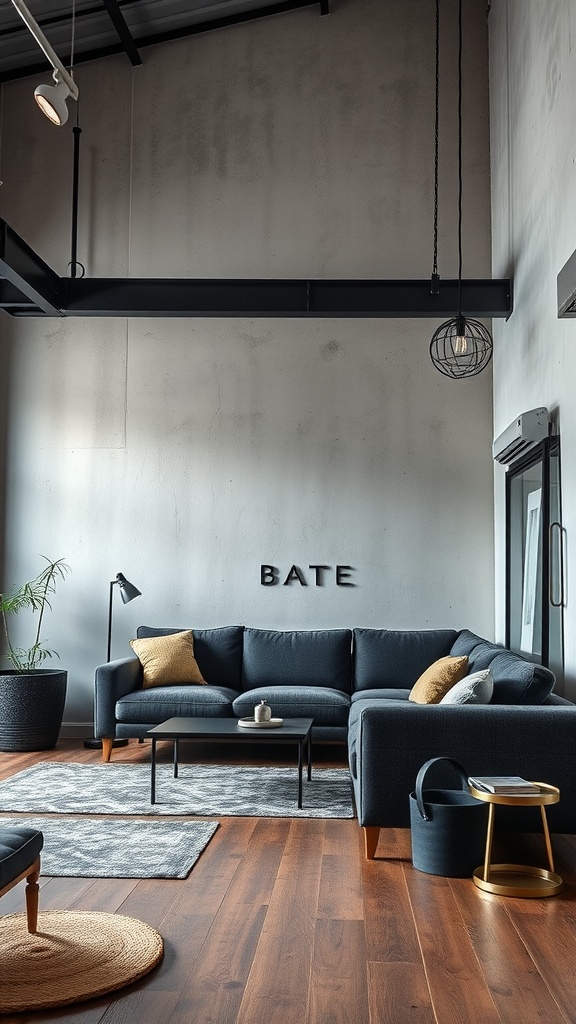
(52, 100)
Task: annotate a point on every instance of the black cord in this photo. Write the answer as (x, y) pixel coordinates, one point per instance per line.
(459, 157)
(434, 287)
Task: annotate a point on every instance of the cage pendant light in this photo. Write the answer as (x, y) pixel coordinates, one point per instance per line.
(460, 347)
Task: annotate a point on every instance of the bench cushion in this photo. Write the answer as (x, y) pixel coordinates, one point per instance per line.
(19, 848)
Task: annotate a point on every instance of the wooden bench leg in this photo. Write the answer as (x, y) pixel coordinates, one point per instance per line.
(107, 750)
(31, 893)
(371, 837)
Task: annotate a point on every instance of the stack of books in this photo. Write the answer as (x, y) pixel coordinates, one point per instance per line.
(507, 784)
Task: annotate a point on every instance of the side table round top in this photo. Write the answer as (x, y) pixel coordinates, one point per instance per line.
(547, 795)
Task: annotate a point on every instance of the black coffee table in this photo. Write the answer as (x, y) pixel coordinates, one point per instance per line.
(207, 730)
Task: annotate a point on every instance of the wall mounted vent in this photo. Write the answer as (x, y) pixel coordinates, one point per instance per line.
(527, 430)
(566, 286)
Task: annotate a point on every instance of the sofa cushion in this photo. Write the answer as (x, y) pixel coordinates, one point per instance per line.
(390, 658)
(476, 688)
(465, 642)
(390, 693)
(483, 655)
(154, 706)
(437, 679)
(517, 681)
(218, 652)
(168, 660)
(324, 704)
(297, 658)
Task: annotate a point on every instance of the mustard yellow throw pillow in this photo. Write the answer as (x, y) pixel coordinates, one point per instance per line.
(168, 660)
(440, 677)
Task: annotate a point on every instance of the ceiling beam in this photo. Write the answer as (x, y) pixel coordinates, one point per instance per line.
(28, 273)
(124, 34)
(132, 297)
(39, 291)
(152, 38)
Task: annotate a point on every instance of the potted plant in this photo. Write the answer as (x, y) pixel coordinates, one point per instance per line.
(31, 696)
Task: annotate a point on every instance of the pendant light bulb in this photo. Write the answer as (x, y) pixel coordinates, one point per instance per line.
(461, 342)
(52, 100)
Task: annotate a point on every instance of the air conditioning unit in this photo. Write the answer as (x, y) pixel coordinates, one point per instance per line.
(527, 430)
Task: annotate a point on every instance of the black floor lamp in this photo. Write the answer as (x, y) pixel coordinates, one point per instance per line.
(127, 592)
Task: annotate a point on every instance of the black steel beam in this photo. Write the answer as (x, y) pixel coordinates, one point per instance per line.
(282, 298)
(152, 38)
(124, 35)
(28, 273)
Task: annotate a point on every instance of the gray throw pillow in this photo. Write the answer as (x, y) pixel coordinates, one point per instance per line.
(477, 688)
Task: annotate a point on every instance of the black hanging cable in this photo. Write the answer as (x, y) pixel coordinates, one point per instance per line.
(77, 131)
(461, 346)
(460, 318)
(435, 280)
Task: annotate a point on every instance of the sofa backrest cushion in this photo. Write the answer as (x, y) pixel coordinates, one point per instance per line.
(517, 681)
(465, 643)
(218, 651)
(320, 657)
(393, 658)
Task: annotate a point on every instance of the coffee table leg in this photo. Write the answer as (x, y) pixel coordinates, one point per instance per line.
(300, 774)
(153, 772)
(175, 759)
(309, 757)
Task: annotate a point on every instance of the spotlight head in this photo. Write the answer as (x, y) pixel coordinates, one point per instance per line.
(52, 100)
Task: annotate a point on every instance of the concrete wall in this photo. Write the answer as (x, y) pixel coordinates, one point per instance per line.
(185, 453)
(532, 86)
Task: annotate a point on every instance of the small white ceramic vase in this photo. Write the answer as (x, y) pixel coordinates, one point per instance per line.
(262, 712)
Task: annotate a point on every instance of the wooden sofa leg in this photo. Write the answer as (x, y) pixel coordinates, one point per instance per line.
(107, 750)
(371, 837)
(31, 893)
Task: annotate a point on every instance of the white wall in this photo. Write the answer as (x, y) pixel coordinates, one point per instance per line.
(185, 453)
(532, 85)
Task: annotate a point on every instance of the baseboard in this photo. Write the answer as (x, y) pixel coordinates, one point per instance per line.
(76, 730)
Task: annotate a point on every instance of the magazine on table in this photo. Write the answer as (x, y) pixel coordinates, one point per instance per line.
(502, 784)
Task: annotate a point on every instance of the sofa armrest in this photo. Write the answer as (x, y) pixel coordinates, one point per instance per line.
(390, 740)
(111, 682)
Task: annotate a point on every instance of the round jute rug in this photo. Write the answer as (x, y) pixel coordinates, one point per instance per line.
(73, 957)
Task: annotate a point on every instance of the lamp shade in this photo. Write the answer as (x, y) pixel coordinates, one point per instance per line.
(127, 590)
(52, 101)
(461, 347)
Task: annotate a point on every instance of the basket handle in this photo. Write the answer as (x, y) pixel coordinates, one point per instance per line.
(420, 780)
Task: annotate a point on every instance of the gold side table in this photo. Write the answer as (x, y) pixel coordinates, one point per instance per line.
(518, 879)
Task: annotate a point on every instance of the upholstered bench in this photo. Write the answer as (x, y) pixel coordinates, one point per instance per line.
(20, 858)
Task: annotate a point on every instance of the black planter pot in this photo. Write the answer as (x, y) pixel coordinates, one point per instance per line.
(31, 708)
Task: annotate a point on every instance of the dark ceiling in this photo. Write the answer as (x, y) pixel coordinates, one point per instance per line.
(106, 27)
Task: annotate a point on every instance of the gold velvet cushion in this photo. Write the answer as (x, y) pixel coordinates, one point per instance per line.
(438, 679)
(168, 660)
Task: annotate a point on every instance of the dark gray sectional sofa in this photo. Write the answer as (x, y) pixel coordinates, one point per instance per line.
(355, 685)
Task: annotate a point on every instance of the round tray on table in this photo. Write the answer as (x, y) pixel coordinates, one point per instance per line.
(251, 723)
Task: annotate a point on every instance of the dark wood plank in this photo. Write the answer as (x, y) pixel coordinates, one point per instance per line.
(390, 931)
(398, 992)
(338, 990)
(518, 989)
(457, 985)
(277, 988)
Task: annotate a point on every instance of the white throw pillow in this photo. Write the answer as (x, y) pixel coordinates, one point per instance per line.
(476, 688)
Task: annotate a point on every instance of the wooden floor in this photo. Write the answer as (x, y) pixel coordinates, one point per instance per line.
(283, 922)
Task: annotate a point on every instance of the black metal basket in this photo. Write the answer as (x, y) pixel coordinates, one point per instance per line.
(448, 826)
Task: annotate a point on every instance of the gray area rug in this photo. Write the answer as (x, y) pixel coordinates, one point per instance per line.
(203, 790)
(84, 848)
